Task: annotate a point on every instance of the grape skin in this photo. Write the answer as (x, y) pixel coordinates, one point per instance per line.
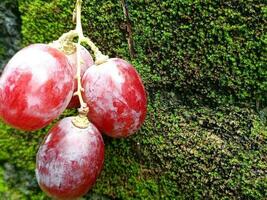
(116, 97)
(69, 160)
(35, 87)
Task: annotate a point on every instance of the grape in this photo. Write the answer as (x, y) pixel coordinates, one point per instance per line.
(86, 61)
(116, 97)
(69, 160)
(35, 87)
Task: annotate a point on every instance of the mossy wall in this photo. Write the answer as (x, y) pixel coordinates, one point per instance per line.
(204, 68)
(209, 52)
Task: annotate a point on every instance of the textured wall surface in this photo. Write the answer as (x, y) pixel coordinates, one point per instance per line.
(207, 52)
(204, 68)
(10, 30)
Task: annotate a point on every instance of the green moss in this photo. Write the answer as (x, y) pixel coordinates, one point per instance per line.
(3, 187)
(187, 153)
(207, 52)
(192, 153)
(198, 60)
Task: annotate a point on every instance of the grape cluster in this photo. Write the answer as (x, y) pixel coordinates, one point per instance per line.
(42, 80)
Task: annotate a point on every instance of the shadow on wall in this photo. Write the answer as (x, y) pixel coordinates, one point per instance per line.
(10, 30)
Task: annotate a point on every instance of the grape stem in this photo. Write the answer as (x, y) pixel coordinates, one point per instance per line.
(78, 49)
(81, 120)
(78, 32)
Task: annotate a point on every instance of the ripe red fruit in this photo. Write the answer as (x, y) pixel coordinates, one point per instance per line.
(86, 62)
(116, 97)
(69, 160)
(35, 87)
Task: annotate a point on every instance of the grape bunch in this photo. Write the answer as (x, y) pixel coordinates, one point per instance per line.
(42, 80)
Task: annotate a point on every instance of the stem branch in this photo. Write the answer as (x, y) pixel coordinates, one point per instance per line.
(79, 31)
(99, 57)
(65, 43)
(81, 120)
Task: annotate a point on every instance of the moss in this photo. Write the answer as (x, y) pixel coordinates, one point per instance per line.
(187, 153)
(203, 73)
(207, 52)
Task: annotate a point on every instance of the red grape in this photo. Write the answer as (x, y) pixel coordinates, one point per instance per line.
(35, 87)
(69, 160)
(86, 61)
(116, 97)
